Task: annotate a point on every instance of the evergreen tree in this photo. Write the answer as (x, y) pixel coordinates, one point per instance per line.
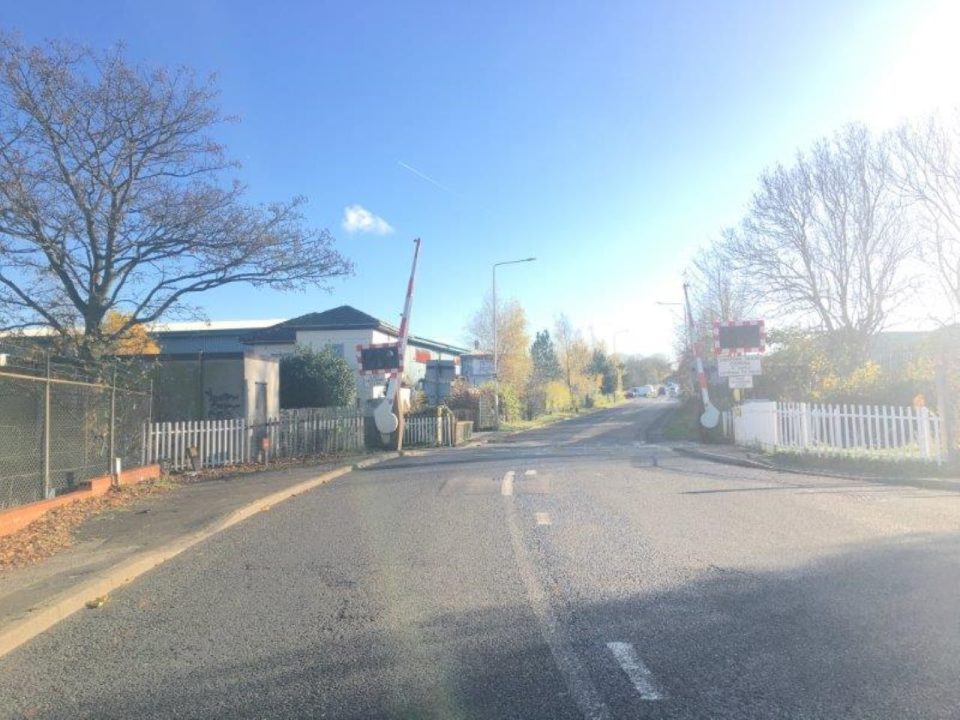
(546, 366)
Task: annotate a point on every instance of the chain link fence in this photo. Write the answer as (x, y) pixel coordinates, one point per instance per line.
(60, 426)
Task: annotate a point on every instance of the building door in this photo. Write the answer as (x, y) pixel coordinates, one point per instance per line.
(260, 403)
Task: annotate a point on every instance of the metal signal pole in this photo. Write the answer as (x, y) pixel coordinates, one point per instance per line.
(705, 404)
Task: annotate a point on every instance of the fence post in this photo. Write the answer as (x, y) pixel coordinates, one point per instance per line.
(46, 433)
(113, 422)
(923, 418)
(804, 409)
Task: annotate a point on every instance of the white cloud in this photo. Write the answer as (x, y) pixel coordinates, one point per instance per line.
(357, 219)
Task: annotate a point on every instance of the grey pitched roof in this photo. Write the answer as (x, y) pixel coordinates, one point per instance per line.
(344, 317)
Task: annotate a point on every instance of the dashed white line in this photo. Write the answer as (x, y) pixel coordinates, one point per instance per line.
(542, 518)
(506, 487)
(575, 675)
(530, 472)
(634, 669)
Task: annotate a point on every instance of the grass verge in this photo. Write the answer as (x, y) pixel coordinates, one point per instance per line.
(551, 418)
(907, 468)
(683, 424)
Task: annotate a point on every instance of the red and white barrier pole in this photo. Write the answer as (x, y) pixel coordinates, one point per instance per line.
(397, 378)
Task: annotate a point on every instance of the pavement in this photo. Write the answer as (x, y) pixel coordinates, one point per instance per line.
(113, 547)
(575, 571)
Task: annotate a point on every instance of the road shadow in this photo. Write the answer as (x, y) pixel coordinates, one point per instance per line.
(871, 632)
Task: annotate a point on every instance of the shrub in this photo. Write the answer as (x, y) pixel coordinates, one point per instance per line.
(510, 406)
(312, 378)
(556, 397)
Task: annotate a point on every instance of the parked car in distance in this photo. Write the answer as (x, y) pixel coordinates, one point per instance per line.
(644, 391)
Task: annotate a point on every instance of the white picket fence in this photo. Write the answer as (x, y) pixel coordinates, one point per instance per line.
(880, 431)
(429, 429)
(314, 431)
(195, 444)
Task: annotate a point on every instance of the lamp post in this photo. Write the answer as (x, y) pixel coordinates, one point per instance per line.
(496, 374)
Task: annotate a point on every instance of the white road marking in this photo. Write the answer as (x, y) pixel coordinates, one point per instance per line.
(530, 472)
(634, 668)
(575, 675)
(506, 487)
(542, 518)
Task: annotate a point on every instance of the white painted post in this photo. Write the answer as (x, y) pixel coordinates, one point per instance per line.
(924, 421)
(938, 445)
(804, 416)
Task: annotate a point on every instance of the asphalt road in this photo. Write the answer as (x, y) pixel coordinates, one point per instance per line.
(574, 572)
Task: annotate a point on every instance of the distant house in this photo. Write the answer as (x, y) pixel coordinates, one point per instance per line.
(342, 329)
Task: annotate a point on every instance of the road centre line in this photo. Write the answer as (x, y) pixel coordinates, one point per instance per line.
(575, 675)
(506, 487)
(542, 518)
(530, 472)
(634, 669)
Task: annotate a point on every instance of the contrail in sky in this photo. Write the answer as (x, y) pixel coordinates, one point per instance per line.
(424, 176)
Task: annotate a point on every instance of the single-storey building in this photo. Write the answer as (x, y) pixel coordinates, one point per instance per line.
(343, 329)
(215, 386)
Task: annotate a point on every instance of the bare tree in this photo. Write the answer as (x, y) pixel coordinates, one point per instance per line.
(719, 292)
(827, 238)
(718, 287)
(928, 154)
(112, 197)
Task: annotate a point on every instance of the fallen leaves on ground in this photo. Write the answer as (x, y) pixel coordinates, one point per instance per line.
(227, 471)
(96, 602)
(55, 530)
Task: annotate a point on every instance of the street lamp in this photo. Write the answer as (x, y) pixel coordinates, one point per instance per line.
(496, 375)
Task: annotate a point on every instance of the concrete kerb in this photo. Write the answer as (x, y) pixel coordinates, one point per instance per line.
(724, 459)
(105, 582)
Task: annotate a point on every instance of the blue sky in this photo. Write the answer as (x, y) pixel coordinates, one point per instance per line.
(607, 139)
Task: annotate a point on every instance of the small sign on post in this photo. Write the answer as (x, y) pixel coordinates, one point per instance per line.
(741, 382)
(739, 365)
(265, 448)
